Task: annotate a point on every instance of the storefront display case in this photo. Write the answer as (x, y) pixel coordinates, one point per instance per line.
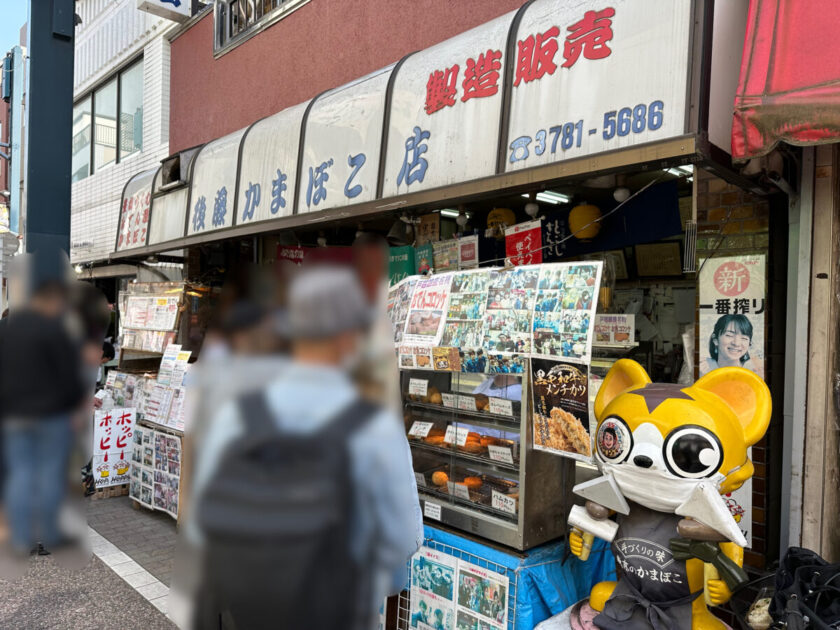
(470, 439)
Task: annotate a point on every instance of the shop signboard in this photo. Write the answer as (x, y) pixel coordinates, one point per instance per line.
(593, 77)
(343, 140)
(134, 212)
(445, 105)
(268, 168)
(112, 445)
(214, 185)
(733, 297)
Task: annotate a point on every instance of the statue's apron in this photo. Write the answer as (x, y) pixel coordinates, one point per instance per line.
(653, 591)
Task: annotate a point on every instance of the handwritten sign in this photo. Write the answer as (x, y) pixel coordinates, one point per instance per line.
(466, 403)
(456, 434)
(501, 407)
(418, 386)
(503, 502)
(459, 490)
(449, 400)
(420, 478)
(420, 429)
(431, 510)
(500, 454)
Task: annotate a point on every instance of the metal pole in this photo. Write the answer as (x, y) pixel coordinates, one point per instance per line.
(50, 124)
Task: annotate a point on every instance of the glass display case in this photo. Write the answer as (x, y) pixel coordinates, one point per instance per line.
(470, 436)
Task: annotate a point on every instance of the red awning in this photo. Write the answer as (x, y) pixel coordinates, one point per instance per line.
(789, 88)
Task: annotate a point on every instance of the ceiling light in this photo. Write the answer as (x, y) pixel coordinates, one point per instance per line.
(549, 196)
(452, 214)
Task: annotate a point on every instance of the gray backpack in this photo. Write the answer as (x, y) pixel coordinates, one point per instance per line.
(276, 520)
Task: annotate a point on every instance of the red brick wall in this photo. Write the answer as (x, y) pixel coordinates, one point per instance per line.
(320, 46)
(742, 221)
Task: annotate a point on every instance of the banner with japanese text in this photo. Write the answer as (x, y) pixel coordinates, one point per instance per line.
(561, 408)
(426, 315)
(523, 243)
(112, 445)
(733, 297)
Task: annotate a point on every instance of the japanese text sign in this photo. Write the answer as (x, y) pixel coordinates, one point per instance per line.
(580, 81)
(112, 445)
(134, 212)
(214, 185)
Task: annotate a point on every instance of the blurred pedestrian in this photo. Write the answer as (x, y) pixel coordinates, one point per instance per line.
(307, 504)
(41, 386)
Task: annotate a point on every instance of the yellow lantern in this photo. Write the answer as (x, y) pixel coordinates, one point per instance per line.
(581, 220)
(500, 218)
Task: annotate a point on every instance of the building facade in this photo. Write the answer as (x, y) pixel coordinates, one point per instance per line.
(120, 115)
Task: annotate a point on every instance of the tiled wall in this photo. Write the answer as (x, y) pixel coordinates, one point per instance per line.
(112, 34)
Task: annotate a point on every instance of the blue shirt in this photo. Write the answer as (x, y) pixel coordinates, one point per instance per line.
(388, 524)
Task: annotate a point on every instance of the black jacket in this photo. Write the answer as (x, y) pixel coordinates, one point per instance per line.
(40, 367)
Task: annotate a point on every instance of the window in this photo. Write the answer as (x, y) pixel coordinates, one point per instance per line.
(234, 18)
(108, 124)
(81, 139)
(131, 110)
(105, 125)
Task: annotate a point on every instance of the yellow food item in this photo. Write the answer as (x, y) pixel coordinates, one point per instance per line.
(434, 440)
(487, 440)
(431, 390)
(440, 478)
(472, 482)
(472, 447)
(435, 398)
(482, 402)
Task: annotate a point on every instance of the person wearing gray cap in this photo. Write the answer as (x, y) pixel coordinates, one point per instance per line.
(321, 530)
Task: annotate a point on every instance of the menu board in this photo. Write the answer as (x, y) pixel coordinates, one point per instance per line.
(150, 312)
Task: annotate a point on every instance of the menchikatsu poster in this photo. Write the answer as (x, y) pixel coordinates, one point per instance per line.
(561, 408)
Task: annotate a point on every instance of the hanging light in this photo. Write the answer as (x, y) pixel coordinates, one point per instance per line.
(322, 240)
(532, 208)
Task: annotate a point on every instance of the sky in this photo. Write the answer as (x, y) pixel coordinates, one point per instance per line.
(12, 17)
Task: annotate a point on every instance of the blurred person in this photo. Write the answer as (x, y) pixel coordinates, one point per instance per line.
(306, 502)
(377, 373)
(41, 386)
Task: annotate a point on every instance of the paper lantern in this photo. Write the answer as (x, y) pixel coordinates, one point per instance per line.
(499, 219)
(581, 221)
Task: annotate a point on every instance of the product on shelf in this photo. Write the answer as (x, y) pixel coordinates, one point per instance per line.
(472, 482)
(440, 478)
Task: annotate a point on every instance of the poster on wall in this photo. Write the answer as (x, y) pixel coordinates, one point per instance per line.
(432, 590)
(399, 301)
(732, 304)
(561, 408)
(482, 598)
(468, 252)
(446, 255)
(464, 327)
(167, 473)
(424, 258)
(428, 229)
(615, 329)
(507, 315)
(732, 312)
(523, 243)
(426, 314)
(112, 446)
(142, 475)
(566, 301)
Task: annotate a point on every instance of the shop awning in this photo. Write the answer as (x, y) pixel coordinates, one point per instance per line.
(789, 90)
(545, 93)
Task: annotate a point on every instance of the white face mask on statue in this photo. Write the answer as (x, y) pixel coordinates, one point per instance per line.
(655, 489)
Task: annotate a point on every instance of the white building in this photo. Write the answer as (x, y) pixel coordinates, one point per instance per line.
(120, 115)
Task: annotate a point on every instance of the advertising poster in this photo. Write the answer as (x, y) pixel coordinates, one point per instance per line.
(732, 304)
(112, 446)
(426, 315)
(446, 255)
(167, 363)
(464, 327)
(401, 264)
(428, 229)
(615, 330)
(482, 598)
(507, 315)
(561, 408)
(142, 476)
(399, 301)
(468, 252)
(432, 590)
(523, 243)
(167, 472)
(565, 309)
(424, 258)
(732, 312)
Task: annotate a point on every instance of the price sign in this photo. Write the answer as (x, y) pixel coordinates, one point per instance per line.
(457, 435)
(503, 502)
(420, 429)
(458, 490)
(418, 386)
(431, 510)
(466, 403)
(501, 407)
(421, 479)
(500, 454)
(450, 400)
